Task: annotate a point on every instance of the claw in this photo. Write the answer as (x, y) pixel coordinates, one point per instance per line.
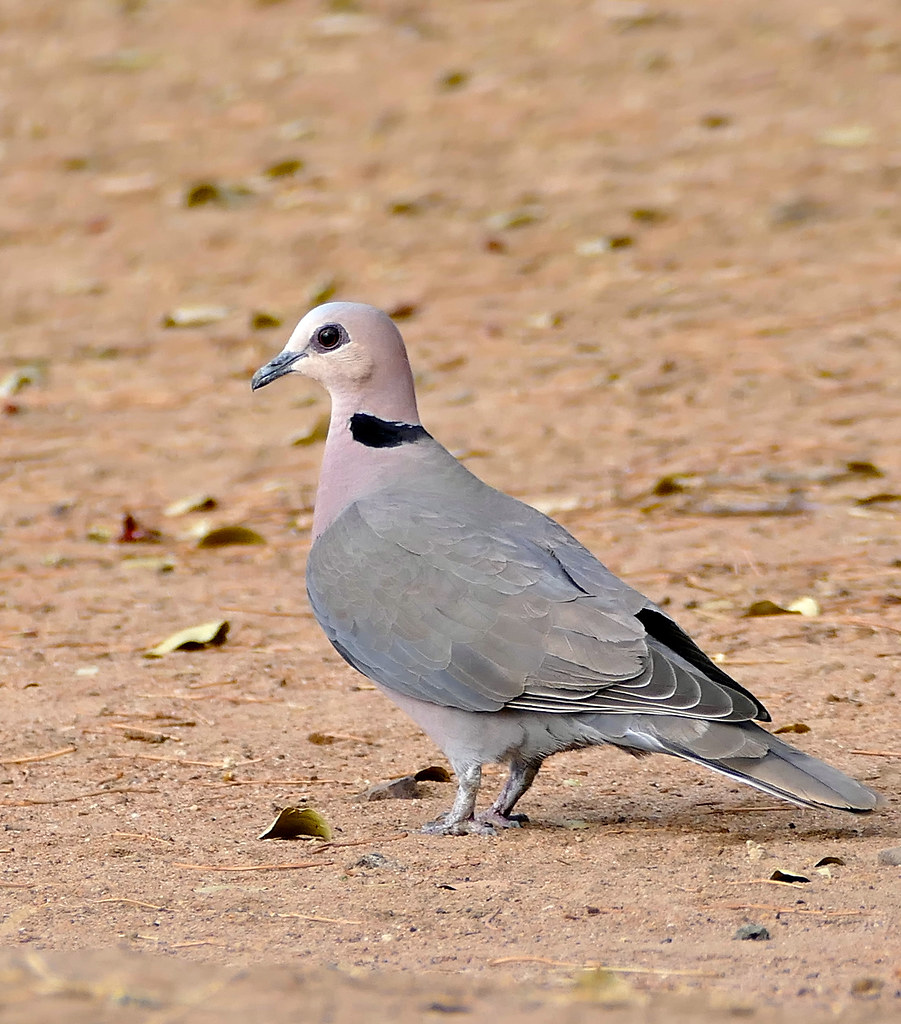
(499, 820)
(471, 826)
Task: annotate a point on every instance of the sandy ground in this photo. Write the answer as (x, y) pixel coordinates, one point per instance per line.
(649, 264)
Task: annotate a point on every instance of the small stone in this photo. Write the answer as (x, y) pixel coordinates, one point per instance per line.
(377, 862)
(752, 932)
(890, 857)
(371, 860)
(404, 788)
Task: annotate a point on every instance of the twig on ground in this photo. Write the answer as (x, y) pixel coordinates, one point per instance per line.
(262, 611)
(794, 910)
(851, 620)
(274, 782)
(748, 810)
(362, 842)
(138, 835)
(220, 765)
(135, 903)
(198, 942)
(598, 966)
(767, 881)
(31, 758)
(253, 867)
(320, 920)
(37, 802)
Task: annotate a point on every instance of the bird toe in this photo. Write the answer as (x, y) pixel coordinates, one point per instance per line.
(470, 826)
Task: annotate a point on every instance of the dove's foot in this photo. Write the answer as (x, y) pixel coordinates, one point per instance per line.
(497, 819)
(447, 826)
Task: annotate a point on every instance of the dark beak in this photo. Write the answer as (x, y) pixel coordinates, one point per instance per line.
(274, 369)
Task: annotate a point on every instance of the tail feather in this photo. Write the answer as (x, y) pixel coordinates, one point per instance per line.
(748, 753)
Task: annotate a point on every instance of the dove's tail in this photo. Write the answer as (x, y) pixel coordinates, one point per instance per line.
(748, 753)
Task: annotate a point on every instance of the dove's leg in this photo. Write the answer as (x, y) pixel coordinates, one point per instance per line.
(522, 775)
(460, 819)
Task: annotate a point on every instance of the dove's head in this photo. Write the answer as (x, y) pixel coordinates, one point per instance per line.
(356, 353)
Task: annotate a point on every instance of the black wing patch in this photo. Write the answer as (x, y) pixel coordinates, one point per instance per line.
(662, 628)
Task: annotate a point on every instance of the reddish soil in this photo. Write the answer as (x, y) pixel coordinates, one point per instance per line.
(648, 260)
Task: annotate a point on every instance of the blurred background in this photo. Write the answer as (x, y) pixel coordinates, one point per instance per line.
(647, 260)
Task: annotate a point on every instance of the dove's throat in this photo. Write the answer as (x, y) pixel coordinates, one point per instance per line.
(363, 454)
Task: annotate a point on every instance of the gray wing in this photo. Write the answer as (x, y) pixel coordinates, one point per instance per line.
(489, 604)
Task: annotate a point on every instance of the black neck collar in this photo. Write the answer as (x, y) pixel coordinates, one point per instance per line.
(372, 432)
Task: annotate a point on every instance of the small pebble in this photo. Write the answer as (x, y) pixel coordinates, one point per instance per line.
(371, 860)
(890, 857)
(377, 862)
(404, 788)
(753, 932)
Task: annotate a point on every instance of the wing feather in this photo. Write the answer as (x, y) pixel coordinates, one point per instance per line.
(483, 603)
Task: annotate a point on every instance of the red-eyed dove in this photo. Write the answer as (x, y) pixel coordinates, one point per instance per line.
(494, 629)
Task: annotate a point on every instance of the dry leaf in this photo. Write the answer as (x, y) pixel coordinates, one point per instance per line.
(867, 988)
(505, 220)
(403, 310)
(628, 15)
(284, 168)
(850, 136)
(321, 739)
(882, 498)
(553, 505)
(162, 563)
(825, 861)
(545, 321)
(297, 822)
(648, 215)
(134, 532)
(863, 467)
(207, 634)
(195, 316)
(394, 789)
(807, 606)
(676, 483)
(260, 320)
(406, 787)
(15, 381)
(205, 193)
(223, 536)
(144, 735)
(766, 607)
(193, 503)
(450, 80)
(787, 876)
(799, 727)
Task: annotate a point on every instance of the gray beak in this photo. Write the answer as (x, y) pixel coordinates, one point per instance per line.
(274, 369)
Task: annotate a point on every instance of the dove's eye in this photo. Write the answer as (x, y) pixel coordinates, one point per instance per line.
(330, 336)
